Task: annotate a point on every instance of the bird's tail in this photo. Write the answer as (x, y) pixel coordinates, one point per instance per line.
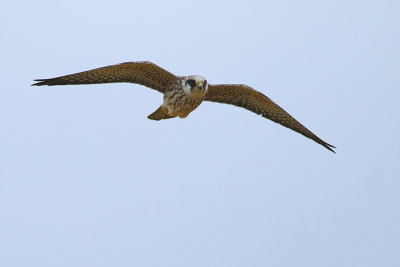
(160, 114)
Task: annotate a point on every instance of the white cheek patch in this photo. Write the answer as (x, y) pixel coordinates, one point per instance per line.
(187, 89)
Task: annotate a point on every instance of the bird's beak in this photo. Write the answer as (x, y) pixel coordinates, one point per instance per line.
(199, 85)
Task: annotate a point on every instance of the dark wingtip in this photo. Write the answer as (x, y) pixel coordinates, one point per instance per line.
(329, 147)
(40, 82)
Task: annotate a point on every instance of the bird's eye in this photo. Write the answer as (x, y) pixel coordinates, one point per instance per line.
(205, 83)
(191, 82)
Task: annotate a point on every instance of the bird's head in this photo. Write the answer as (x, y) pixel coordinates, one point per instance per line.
(195, 84)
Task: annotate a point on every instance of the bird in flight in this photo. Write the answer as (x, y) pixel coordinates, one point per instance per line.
(183, 94)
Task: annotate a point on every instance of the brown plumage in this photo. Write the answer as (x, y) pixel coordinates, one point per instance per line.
(182, 94)
(246, 97)
(144, 73)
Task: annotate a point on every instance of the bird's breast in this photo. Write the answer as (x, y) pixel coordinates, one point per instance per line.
(178, 102)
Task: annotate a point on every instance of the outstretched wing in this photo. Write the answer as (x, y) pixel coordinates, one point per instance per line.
(246, 97)
(144, 73)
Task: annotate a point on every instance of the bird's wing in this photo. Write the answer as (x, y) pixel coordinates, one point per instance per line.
(145, 73)
(246, 97)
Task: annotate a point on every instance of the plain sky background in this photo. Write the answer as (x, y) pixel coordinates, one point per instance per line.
(87, 180)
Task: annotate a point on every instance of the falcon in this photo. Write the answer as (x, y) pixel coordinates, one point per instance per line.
(183, 94)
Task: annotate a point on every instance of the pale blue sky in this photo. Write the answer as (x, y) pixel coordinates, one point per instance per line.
(87, 180)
